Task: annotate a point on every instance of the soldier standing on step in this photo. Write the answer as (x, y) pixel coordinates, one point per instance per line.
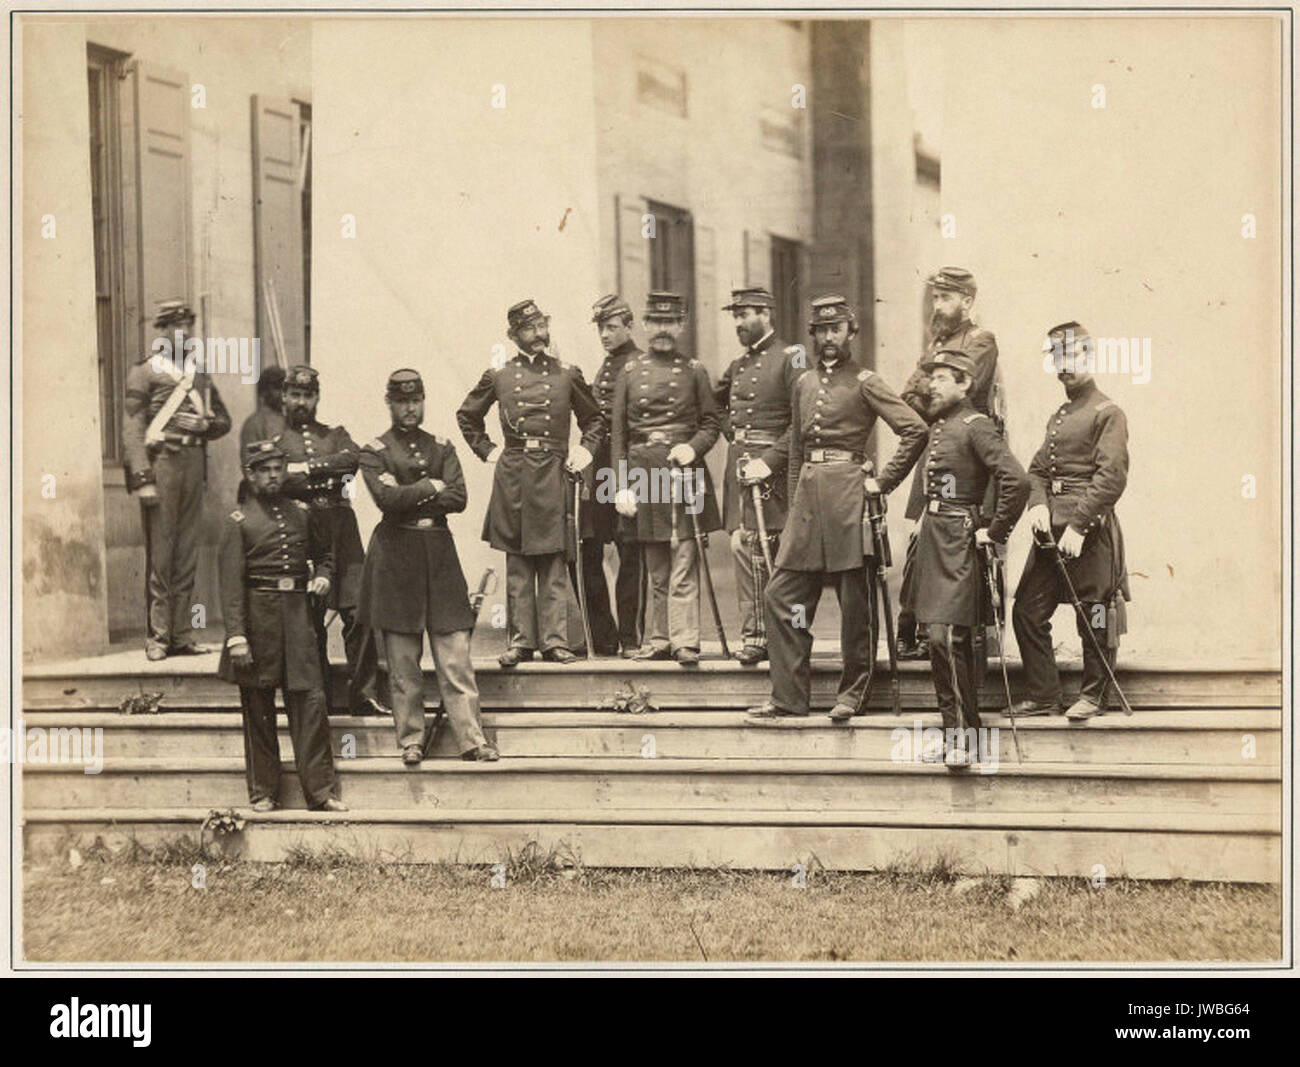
(754, 396)
(665, 422)
(322, 464)
(834, 409)
(527, 517)
(613, 319)
(965, 455)
(1076, 478)
(952, 295)
(412, 581)
(172, 411)
(269, 548)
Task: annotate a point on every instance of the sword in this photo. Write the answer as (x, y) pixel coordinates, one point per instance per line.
(756, 494)
(874, 510)
(487, 585)
(701, 544)
(992, 568)
(579, 580)
(1045, 542)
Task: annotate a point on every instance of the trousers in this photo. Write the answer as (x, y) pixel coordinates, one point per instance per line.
(606, 634)
(537, 601)
(751, 584)
(362, 656)
(456, 682)
(791, 606)
(673, 595)
(956, 675)
(309, 731)
(172, 542)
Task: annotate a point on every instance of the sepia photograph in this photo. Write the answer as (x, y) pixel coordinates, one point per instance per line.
(647, 489)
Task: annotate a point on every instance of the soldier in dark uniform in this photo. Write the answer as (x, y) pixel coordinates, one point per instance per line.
(412, 581)
(965, 454)
(1076, 478)
(266, 423)
(613, 319)
(322, 465)
(268, 550)
(665, 421)
(834, 409)
(531, 493)
(952, 294)
(754, 396)
(172, 411)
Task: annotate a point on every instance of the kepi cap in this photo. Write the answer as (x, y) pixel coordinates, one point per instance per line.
(665, 305)
(609, 306)
(258, 452)
(830, 308)
(302, 377)
(405, 384)
(169, 312)
(954, 279)
(524, 313)
(953, 359)
(754, 296)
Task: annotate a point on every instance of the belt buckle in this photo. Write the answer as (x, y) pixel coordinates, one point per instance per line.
(657, 437)
(934, 506)
(1057, 486)
(531, 443)
(424, 523)
(817, 455)
(284, 585)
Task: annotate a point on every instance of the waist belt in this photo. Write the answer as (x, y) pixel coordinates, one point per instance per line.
(285, 584)
(935, 506)
(437, 522)
(663, 435)
(831, 455)
(186, 439)
(756, 437)
(536, 444)
(1064, 486)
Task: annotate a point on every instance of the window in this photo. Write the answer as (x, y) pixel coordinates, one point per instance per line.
(787, 284)
(672, 262)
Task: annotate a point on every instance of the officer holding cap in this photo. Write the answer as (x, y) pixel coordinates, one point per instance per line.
(526, 518)
(964, 456)
(274, 556)
(754, 397)
(835, 406)
(172, 411)
(412, 581)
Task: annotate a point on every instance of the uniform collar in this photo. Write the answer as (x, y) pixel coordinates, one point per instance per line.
(844, 359)
(625, 349)
(763, 342)
(943, 338)
(532, 361)
(405, 435)
(1084, 394)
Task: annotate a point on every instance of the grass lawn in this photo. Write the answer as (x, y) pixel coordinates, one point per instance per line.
(327, 908)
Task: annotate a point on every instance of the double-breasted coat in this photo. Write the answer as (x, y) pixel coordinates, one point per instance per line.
(412, 579)
(531, 492)
(836, 407)
(754, 397)
(600, 520)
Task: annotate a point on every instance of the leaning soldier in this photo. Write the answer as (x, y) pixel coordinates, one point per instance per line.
(274, 557)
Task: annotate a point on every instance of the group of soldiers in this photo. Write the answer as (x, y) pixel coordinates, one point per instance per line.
(802, 504)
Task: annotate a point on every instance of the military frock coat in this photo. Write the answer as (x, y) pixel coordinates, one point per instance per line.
(600, 520)
(531, 492)
(836, 407)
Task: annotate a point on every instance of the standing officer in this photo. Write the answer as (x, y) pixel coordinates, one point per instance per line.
(834, 409)
(613, 319)
(665, 422)
(526, 517)
(322, 465)
(952, 294)
(172, 411)
(268, 548)
(412, 581)
(267, 422)
(754, 395)
(965, 455)
(1075, 479)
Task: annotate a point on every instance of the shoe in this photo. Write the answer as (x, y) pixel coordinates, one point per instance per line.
(264, 805)
(1036, 707)
(607, 650)
(687, 657)
(190, 648)
(333, 804)
(1082, 710)
(750, 655)
(768, 711)
(559, 655)
(919, 649)
(650, 652)
(512, 656)
(842, 712)
(371, 706)
(482, 754)
(155, 652)
(411, 755)
(957, 758)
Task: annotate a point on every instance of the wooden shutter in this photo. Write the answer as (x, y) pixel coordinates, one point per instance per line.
(758, 259)
(633, 253)
(277, 224)
(706, 292)
(161, 254)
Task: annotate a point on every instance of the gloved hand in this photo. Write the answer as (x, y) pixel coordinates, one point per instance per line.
(579, 459)
(871, 486)
(387, 479)
(296, 468)
(148, 494)
(319, 586)
(625, 503)
(982, 536)
(1071, 543)
(189, 423)
(1040, 519)
(240, 654)
(755, 471)
(683, 455)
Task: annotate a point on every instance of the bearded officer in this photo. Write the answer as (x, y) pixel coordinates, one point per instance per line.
(754, 396)
(531, 494)
(172, 411)
(952, 296)
(965, 455)
(613, 319)
(274, 556)
(1076, 478)
(412, 581)
(665, 421)
(835, 406)
(321, 470)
